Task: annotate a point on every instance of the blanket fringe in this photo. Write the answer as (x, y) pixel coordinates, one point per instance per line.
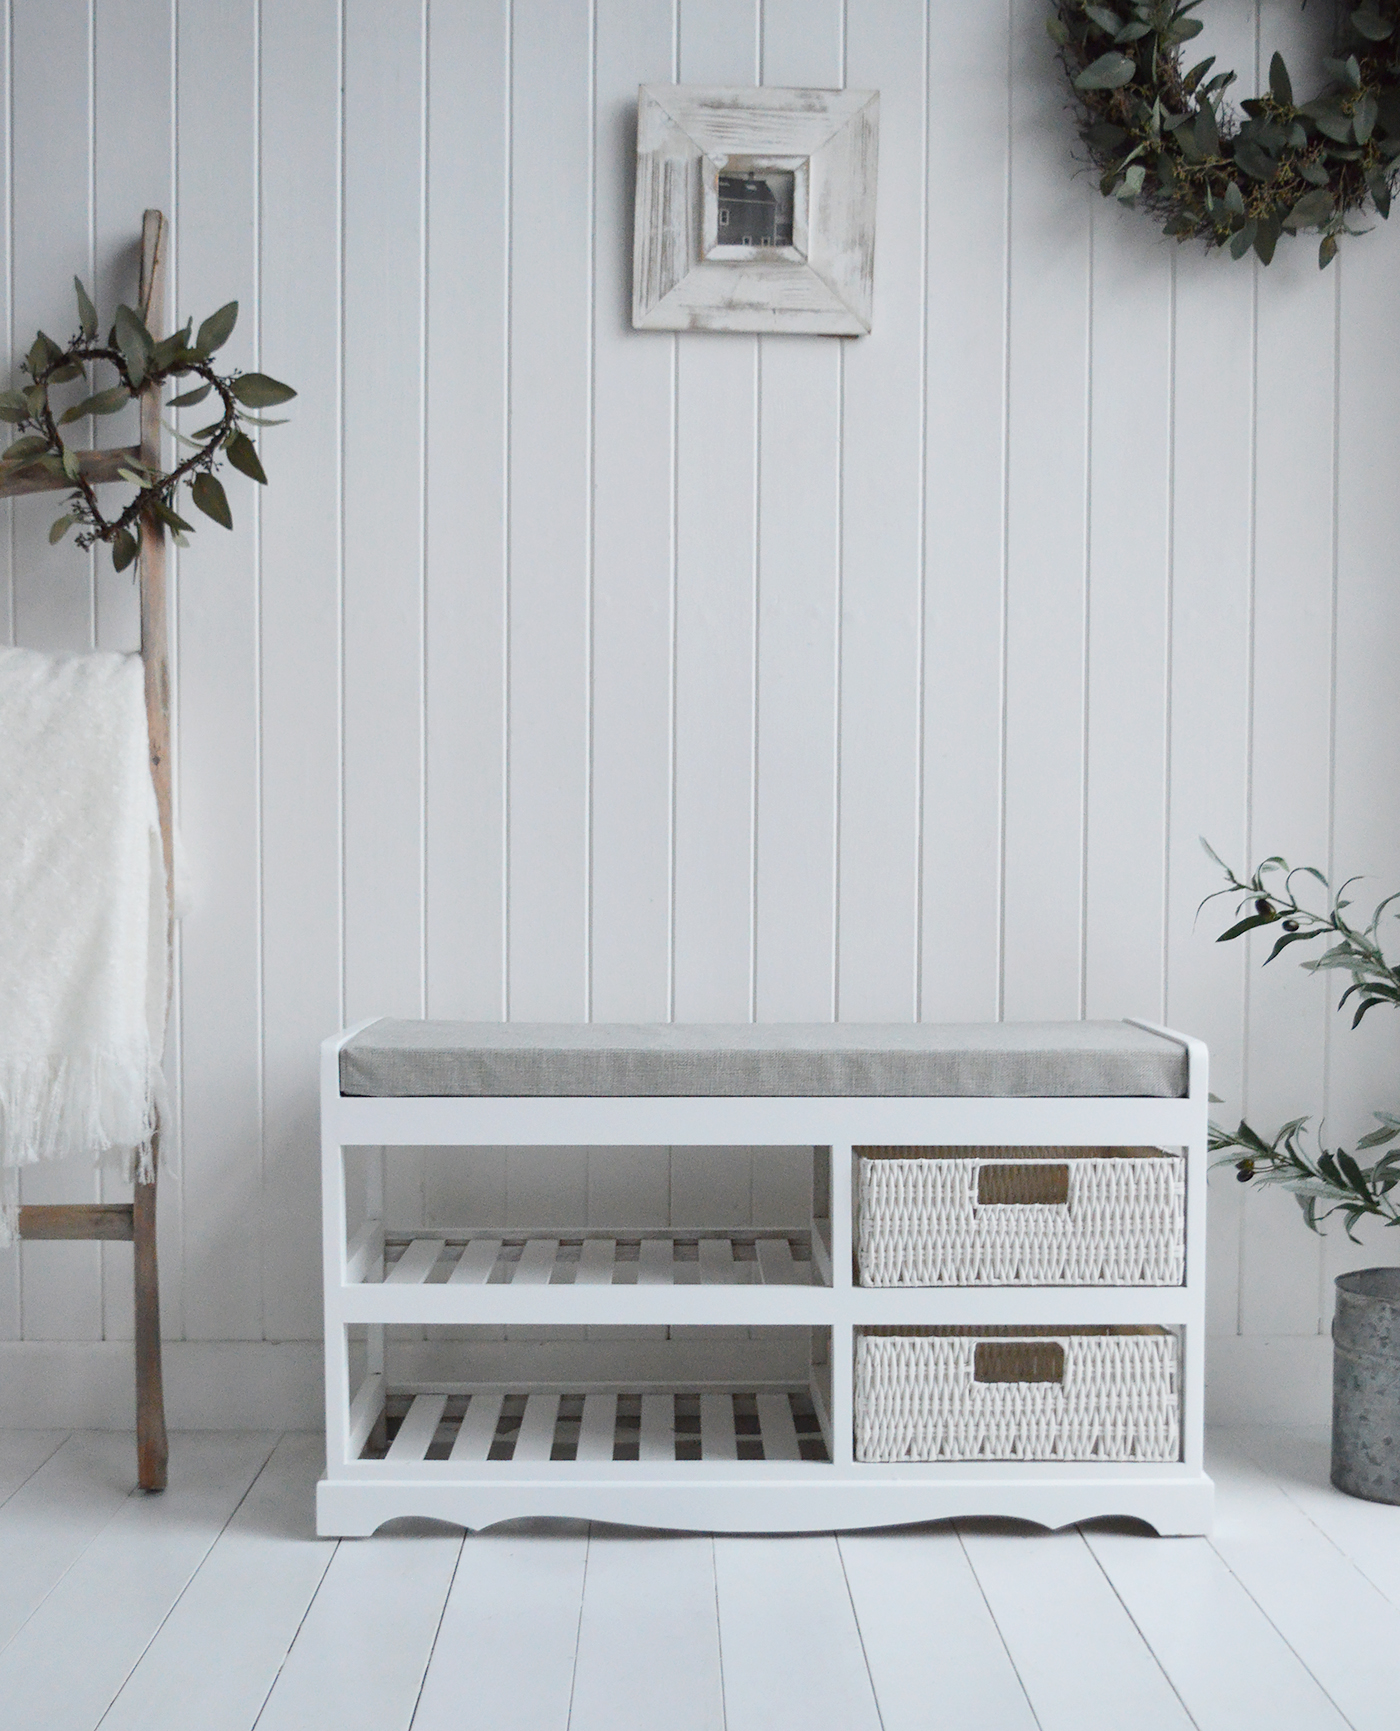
(95, 1104)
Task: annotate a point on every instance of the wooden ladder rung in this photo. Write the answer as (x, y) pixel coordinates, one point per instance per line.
(89, 1220)
(94, 466)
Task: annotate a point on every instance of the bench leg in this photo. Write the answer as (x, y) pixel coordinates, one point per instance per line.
(151, 1448)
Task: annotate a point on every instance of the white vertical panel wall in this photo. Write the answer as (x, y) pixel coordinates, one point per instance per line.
(567, 672)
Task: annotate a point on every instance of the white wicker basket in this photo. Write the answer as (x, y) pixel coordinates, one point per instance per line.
(955, 1217)
(994, 1394)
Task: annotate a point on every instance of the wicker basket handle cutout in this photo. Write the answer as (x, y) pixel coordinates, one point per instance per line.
(1018, 1361)
(1032, 1181)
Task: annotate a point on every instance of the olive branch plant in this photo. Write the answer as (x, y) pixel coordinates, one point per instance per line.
(1329, 1181)
(140, 363)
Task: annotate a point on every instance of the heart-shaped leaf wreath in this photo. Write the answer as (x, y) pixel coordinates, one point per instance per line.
(1165, 140)
(141, 363)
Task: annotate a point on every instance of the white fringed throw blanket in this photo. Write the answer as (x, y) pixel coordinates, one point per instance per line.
(83, 960)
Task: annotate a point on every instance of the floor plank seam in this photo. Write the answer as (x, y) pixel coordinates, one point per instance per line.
(1137, 1627)
(63, 1437)
(296, 1634)
(578, 1627)
(719, 1638)
(437, 1632)
(860, 1633)
(190, 1580)
(1244, 1588)
(72, 1564)
(1269, 1473)
(1001, 1633)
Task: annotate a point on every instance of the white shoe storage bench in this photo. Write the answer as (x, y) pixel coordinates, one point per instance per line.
(769, 1379)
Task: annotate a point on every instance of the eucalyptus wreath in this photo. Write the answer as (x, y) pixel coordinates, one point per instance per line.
(1165, 140)
(1325, 1181)
(140, 364)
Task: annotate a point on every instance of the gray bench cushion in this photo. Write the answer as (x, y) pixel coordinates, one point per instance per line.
(983, 1059)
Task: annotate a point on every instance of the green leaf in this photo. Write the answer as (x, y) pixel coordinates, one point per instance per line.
(1254, 161)
(60, 527)
(135, 343)
(50, 348)
(258, 391)
(189, 398)
(87, 312)
(30, 445)
(1207, 133)
(1104, 135)
(1058, 33)
(68, 371)
(70, 464)
(217, 329)
(1346, 71)
(243, 455)
(263, 421)
(1243, 239)
(1243, 926)
(103, 403)
(1280, 84)
(123, 549)
(1367, 22)
(1108, 72)
(1267, 237)
(1378, 185)
(208, 494)
(1315, 173)
(1104, 18)
(1364, 117)
(173, 518)
(1132, 183)
(1196, 74)
(178, 436)
(1328, 116)
(1388, 102)
(164, 354)
(1287, 939)
(1234, 200)
(1311, 209)
(1389, 1130)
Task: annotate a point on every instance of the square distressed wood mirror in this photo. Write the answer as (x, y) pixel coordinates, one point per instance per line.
(755, 209)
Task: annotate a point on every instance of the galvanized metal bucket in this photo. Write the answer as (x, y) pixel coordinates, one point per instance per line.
(1366, 1385)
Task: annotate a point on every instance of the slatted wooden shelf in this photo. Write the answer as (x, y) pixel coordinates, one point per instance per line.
(738, 1258)
(519, 1425)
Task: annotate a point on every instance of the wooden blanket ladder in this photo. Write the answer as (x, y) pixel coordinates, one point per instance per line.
(134, 1220)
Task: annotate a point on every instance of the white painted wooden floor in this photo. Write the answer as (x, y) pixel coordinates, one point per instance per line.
(213, 1607)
